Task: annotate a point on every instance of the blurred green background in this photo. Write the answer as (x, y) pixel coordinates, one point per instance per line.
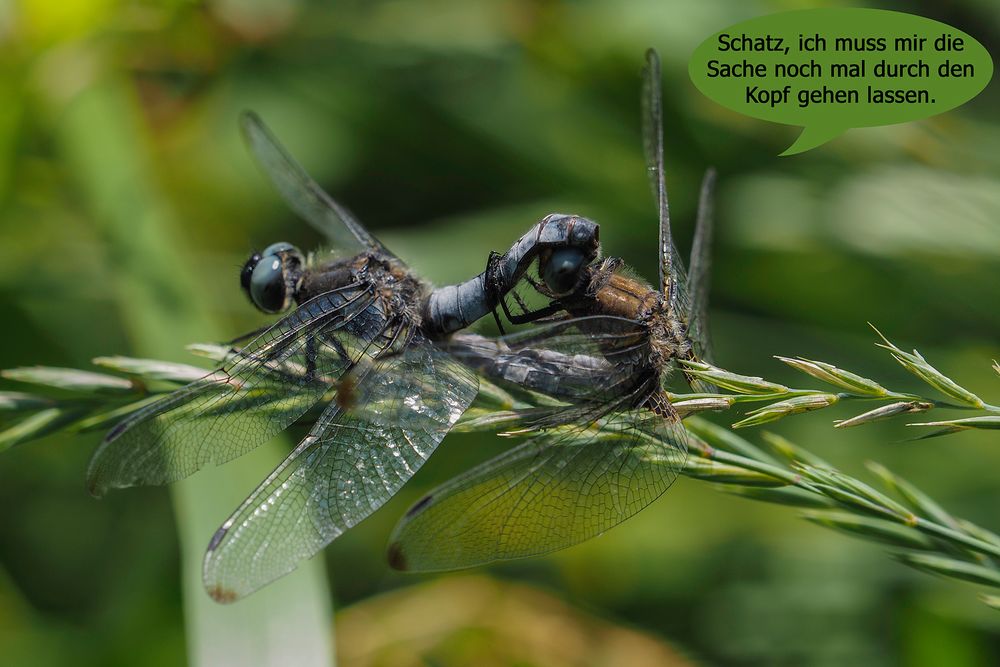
(449, 128)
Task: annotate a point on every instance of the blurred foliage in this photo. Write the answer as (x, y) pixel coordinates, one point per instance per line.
(469, 620)
(450, 128)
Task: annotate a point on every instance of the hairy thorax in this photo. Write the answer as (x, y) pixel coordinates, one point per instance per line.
(386, 278)
(620, 295)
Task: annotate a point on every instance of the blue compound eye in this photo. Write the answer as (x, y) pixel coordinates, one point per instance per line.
(267, 275)
(247, 271)
(267, 285)
(562, 271)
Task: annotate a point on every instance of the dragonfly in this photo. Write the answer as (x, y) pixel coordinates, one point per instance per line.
(359, 340)
(609, 442)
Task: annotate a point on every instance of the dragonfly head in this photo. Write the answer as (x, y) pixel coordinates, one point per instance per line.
(561, 266)
(269, 277)
(561, 269)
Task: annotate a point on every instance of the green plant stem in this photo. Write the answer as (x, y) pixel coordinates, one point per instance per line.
(779, 472)
(785, 401)
(922, 534)
(963, 551)
(161, 305)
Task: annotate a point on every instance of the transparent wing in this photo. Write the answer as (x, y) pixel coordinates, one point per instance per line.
(358, 455)
(699, 279)
(687, 295)
(262, 389)
(595, 359)
(302, 193)
(671, 267)
(699, 276)
(559, 488)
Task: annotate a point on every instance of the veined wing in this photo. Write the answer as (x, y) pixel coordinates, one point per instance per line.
(671, 268)
(694, 297)
(357, 456)
(673, 278)
(581, 360)
(699, 276)
(302, 193)
(262, 389)
(611, 448)
(686, 294)
(561, 487)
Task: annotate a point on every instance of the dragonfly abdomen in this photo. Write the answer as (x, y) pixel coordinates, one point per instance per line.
(455, 307)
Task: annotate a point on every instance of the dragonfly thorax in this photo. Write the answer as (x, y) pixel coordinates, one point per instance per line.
(400, 293)
(611, 292)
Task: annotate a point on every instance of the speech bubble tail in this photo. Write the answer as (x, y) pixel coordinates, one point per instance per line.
(811, 137)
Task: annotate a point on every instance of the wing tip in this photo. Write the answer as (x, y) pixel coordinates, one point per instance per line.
(97, 483)
(395, 552)
(221, 594)
(217, 590)
(249, 117)
(652, 57)
(397, 557)
(251, 124)
(95, 487)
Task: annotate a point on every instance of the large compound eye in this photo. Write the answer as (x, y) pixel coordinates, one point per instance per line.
(267, 275)
(562, 271)
(247, 271)
(267, 285)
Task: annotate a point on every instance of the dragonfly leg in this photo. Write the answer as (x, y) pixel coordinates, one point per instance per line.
(494, 290)
(496, 318)
(506, 311)
(520, 302)
(534, 315)
(339, 349)
(498, 297)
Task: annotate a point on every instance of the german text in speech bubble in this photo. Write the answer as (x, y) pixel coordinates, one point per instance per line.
(829, 70)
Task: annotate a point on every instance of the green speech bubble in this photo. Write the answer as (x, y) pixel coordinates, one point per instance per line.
(833, 69)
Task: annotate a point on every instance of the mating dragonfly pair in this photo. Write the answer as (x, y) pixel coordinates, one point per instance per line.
(383, 355)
